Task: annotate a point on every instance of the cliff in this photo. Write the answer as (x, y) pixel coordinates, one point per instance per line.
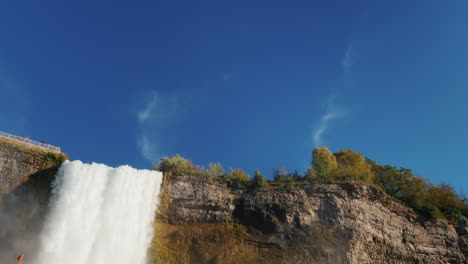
(26, 173)
(200, 221)
(20, 162)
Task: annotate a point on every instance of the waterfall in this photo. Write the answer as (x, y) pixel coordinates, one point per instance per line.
(99, 214)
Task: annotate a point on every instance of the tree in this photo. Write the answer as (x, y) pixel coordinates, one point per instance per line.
(295, 176)
(405, 186)
(349, 158)
(414, 191)
(445, 198)
(236, 176)
(465, 207)
(352, 166)
(215, 170)
(389, 178)
(310, 176)
(350, 174)
(280, 174)
(323, 162)
(175, 165)
(259, 180)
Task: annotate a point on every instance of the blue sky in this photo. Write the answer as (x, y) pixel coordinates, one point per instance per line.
(251, 84)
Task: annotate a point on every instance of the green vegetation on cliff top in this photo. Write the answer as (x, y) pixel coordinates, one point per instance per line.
(53, 158)
(344, 166)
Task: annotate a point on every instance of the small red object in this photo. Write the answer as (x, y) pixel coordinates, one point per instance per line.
(20, 259)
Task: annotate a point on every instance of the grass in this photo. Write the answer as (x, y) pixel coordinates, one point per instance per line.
(202, 243)
(51, 157)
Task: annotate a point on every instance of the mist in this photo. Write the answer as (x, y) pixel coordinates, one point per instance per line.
(90, 213)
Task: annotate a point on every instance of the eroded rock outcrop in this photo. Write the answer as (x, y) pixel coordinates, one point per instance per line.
(20, 162)
(201, 221)
(322, 223)
(26, 174)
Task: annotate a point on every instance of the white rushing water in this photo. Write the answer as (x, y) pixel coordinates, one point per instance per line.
(100, 215)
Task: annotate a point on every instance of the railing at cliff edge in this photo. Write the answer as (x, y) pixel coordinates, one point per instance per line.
(30, 142)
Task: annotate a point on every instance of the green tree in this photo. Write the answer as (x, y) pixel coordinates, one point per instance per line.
(405, 186)
(280, 174)
(352, 166)
(349, 158)
(215, 170)
(237, 176)
(465, 207)
(295, 176)
(350, 174)
(175, 165)
(431, 211)
(259, 180)
(414, 191)
(310, 176)
(445, 198)
(389, 178)
(323, 162)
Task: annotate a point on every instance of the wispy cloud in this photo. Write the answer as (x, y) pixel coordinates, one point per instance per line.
(324, 122)
(146, 113)
(332, 112)
(148, 148)
(153, 120)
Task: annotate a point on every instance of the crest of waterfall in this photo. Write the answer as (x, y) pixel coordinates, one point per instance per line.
(99, 214)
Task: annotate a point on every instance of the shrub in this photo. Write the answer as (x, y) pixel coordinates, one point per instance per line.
(401, 184)
(295, 176)
(176, 165)
(280, 174)
(414, 191)
(348, 158)
(350, 174)
(56, 158)
(389, 178)
(237, 177)
(464, 210)
(431, 211)
(432, 201)
(323, 162)
(215, 170)
(259, 180)
(444, 197)
(310, 176)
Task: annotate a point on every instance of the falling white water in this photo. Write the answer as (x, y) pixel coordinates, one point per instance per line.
(100, 215)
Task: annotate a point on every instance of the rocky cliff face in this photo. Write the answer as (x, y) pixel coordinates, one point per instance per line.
(20, 162)
(26, 174)
(202, 222)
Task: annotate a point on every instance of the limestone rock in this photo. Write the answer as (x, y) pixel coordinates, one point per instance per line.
(321, 223)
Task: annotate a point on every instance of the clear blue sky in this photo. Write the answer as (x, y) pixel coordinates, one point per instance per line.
(252, 84)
